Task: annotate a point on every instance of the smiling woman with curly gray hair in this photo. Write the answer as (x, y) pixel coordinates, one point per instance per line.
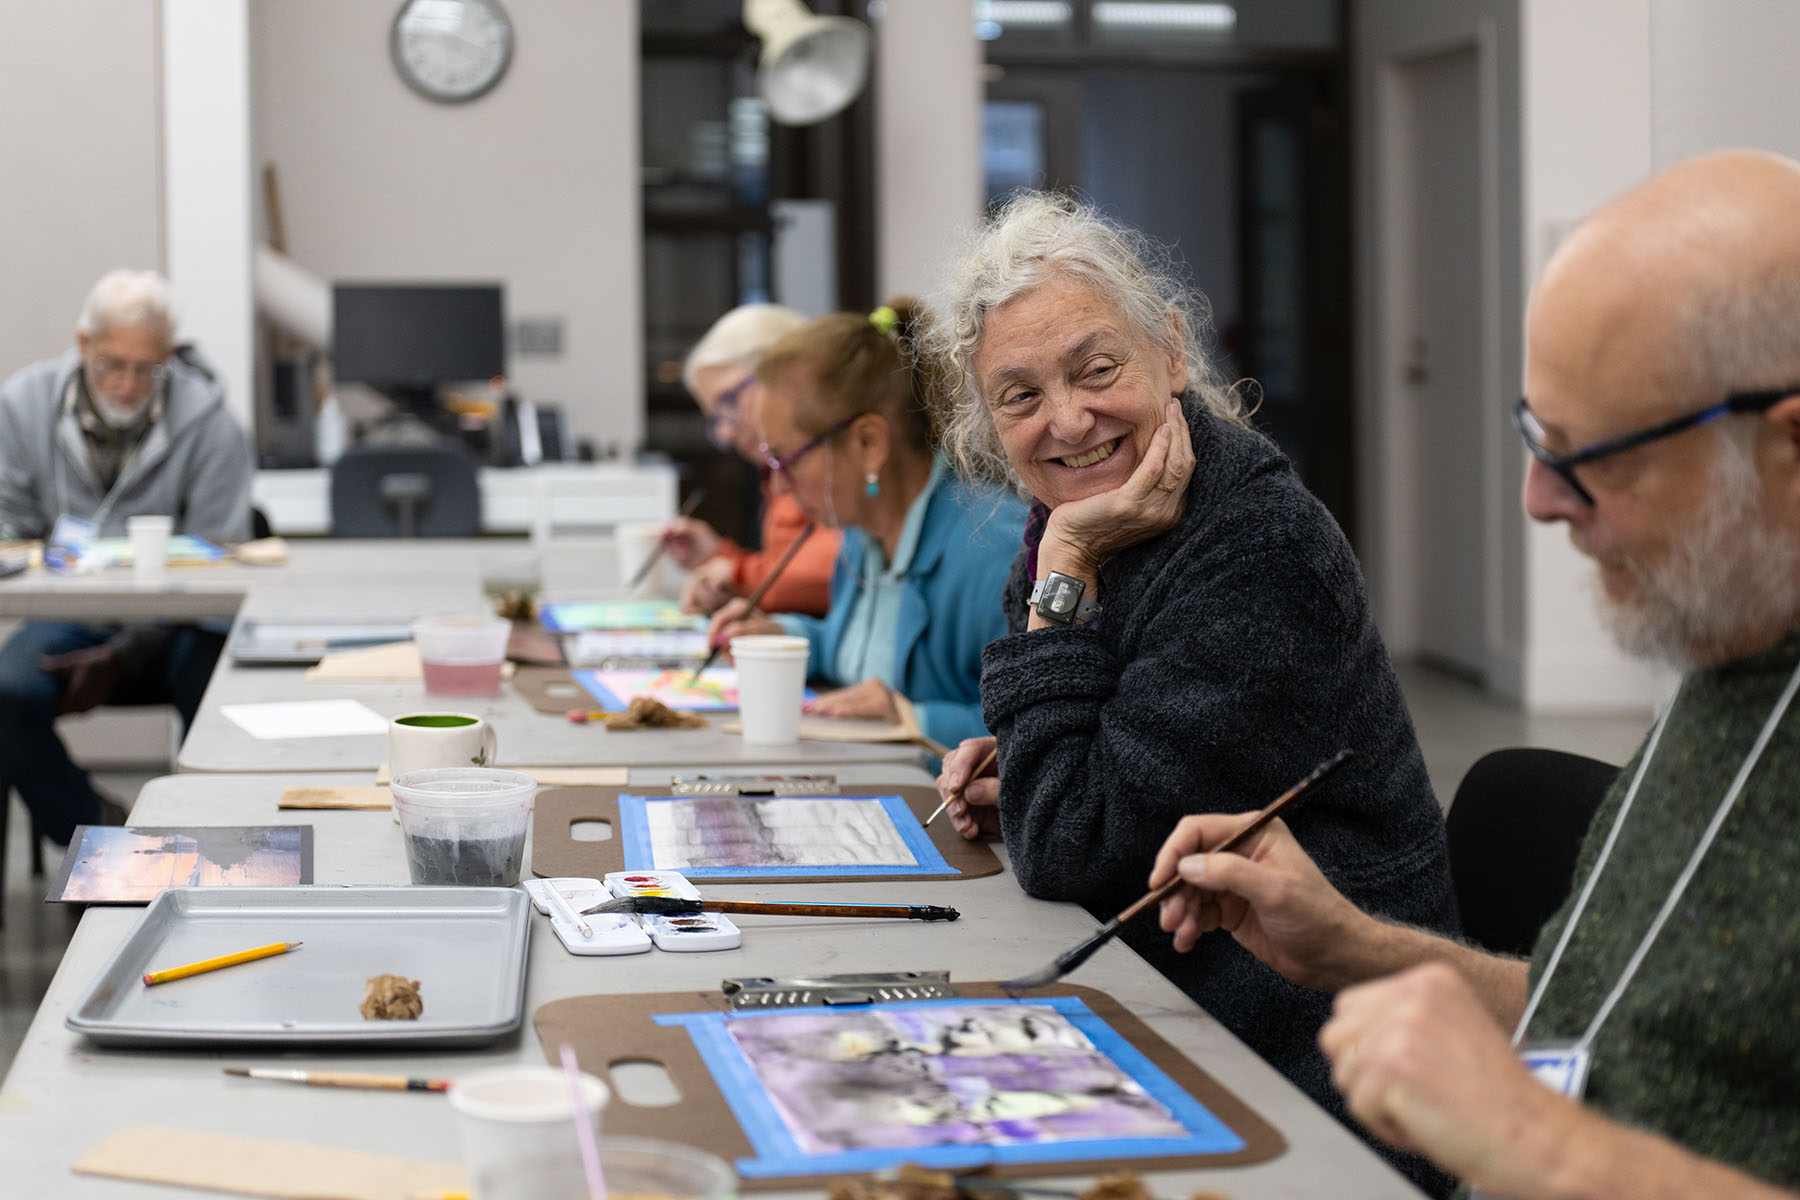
(1187, 628)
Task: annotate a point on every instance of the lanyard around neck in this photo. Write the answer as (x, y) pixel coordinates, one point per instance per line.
(1726, 804)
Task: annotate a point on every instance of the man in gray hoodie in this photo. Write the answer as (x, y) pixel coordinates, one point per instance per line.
(124, 424)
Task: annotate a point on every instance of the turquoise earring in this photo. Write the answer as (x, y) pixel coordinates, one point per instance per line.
(871, 484)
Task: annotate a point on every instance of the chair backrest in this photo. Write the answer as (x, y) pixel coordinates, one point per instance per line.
(1515, 830)
(405, 491)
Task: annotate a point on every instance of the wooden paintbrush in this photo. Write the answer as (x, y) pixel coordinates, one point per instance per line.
(344, 1079)
(1079, 953)
(973, 776)
(655, 556)
(755, 597)
(675, 906)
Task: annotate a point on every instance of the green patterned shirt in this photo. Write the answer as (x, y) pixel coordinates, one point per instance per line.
(1704, 1047)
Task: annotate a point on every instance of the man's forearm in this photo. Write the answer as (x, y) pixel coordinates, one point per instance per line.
(1600, 1159)
(1387, 948)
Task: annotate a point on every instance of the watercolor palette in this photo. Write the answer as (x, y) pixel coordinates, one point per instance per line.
(685, 934)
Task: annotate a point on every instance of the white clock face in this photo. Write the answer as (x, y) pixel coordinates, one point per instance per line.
(452, 50)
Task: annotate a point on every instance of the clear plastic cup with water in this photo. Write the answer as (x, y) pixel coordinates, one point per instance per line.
(464, 825)
(462, 655)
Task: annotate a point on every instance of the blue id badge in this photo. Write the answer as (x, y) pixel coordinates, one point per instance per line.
(1560, 1066)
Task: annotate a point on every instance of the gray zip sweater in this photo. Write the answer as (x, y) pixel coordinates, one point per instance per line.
(194, 465)
(1234, 653)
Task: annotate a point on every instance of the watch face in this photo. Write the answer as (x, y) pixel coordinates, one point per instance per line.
(452, 50)
(1060, 596)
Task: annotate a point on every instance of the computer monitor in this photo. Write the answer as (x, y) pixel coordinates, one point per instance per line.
(404, 339)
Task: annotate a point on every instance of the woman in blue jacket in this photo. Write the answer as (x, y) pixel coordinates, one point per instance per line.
(915, 592)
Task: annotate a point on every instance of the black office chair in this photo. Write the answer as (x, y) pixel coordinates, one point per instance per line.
(385, 491)
(1515, 829)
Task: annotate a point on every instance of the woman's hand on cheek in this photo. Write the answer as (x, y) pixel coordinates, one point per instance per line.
(1149, 503)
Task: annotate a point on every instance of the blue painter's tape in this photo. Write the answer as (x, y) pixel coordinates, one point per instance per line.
(604, 696)
(634, 834)
(778, 1153)
(640, 856)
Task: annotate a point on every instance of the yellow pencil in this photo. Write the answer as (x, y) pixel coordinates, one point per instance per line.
(224, 960)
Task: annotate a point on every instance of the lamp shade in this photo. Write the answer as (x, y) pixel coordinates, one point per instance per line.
(812, 67)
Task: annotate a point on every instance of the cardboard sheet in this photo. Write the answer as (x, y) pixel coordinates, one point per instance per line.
(606, 1030)
(264, 1167)
(336, 797)
(555, 852)
(397, 662)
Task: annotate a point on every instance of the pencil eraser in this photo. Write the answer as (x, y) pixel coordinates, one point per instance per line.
(578, 715)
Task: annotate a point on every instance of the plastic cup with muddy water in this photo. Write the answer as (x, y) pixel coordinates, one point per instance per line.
(771, 671)
(464, 825)
(149, 548)
(517, 1130)
(461, 655)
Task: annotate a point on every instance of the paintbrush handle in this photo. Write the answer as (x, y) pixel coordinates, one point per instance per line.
(357, 1079)
(757, 593)
(1273, 810)
(671, 906)
(973, 776)
(655, 556)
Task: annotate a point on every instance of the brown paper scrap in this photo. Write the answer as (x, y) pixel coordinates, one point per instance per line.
(264, 1167)
(396, 662)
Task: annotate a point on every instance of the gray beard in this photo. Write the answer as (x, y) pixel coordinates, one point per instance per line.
(1730, 574)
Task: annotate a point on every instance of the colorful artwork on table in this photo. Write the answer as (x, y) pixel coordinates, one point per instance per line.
(597, 647)
(776, 836)
(614, 688)
(185, 550)
(124, 865)
(951, 1082)
(618, 614)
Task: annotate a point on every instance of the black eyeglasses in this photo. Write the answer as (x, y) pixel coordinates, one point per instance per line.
(783, 464)
(1526, 422)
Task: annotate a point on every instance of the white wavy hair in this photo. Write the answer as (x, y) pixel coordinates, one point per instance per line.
(739, 338)
(128, 299)
(1031, 238)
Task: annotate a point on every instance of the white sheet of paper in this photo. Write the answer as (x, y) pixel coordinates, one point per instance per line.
(305, 718)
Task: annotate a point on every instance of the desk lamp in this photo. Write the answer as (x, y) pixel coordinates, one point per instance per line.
(811, 67)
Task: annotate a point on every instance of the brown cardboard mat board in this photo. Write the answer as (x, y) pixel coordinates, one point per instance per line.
(244, 1166)
(551, 690)
(1078, 1085)
(556, 852)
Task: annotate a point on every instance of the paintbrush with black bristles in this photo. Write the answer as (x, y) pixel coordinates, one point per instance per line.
(676, 906)
(1079, 953)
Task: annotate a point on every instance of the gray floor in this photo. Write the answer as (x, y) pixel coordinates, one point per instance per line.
(1457, 724)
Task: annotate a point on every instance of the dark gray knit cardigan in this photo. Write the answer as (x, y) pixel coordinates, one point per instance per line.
(1234, 652)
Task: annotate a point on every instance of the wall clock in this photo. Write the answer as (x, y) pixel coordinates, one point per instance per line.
(451, 51)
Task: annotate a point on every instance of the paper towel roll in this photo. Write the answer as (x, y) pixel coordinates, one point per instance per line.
(292, 297)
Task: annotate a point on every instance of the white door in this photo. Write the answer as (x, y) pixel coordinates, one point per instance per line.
(1442, 355)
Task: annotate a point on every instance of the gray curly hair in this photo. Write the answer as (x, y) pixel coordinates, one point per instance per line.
(1034, 236)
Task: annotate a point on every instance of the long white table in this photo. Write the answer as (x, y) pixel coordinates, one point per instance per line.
(371, 580)
(64, 1095)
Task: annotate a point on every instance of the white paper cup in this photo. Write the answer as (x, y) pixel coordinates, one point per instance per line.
(771, 679)
(149, 548)
(636, 542)
(518, 1131)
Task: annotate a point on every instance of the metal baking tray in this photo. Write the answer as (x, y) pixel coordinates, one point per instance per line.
(301, 643)
(464, 945)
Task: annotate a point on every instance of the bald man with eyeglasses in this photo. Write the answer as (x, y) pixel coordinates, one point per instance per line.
(125, 424)
(1651, 1044)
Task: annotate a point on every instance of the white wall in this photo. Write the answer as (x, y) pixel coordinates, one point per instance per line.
(534, 184)
(928, 153)
(80, 148)
(1723, 74)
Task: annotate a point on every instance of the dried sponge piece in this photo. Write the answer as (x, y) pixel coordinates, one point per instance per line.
(647, 712)
(391, 998)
